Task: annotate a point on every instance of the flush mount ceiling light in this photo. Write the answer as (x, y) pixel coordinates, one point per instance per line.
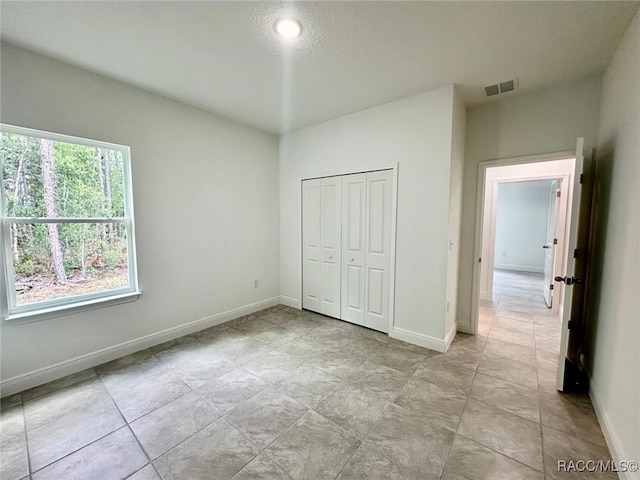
(288, 28)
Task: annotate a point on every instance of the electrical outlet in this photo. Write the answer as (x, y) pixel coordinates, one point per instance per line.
(255, 284)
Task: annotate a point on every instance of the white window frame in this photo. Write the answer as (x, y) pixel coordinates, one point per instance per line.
(67, 305)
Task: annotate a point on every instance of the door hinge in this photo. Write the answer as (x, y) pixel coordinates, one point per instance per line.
(581, 178)
(575, 253)
(480, 260)
(555, 241)
(570, 325)
(558, 193)
(551, 287)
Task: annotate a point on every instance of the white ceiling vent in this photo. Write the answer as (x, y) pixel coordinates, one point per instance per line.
(502, 87)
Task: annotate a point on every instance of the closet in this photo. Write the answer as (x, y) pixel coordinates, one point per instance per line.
(346, 238)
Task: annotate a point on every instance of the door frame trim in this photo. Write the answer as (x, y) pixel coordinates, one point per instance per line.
(394, 167)
(480, 198)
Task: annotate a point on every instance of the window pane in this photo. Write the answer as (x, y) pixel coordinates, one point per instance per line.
(56, 260)
(47, 178)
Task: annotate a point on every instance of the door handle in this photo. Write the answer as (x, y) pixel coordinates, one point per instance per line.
(352, 259)
(330, 257)
(546, 246)
(569, 280)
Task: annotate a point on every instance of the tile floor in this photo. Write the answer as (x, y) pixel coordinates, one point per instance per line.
(285, 394)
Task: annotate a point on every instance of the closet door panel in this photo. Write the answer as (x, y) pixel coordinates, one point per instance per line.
(353, 247)
(377, 247)
(330, 234)
(311, 241)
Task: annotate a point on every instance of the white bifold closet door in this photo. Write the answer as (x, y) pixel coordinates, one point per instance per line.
(321, 245)
(347, 247)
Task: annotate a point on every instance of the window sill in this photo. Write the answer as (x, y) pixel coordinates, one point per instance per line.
(46, 313)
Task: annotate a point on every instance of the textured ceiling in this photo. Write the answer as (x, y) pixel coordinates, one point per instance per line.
(225, 58)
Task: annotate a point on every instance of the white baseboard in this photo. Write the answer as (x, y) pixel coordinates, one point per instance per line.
(433, 343)
(290, 302)
(615, 447)
(43, 375)
(518, 268)
(450, 335)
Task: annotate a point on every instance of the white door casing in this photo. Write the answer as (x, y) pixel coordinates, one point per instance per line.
(353, 247)
(378, 249)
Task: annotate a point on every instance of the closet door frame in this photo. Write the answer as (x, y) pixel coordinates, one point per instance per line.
(394, 207)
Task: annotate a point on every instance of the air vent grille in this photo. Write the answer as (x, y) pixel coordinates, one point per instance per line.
(502, 87)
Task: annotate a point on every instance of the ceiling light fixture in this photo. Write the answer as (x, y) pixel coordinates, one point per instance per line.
(288, 28)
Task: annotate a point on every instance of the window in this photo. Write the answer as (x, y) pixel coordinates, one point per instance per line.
(67, 223)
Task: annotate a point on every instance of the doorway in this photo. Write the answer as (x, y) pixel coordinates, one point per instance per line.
(523, 238)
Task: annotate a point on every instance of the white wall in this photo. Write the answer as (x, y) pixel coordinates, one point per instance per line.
(521, 225)
(544, 121)
(205, 198)
(614, 307)
(416, 133)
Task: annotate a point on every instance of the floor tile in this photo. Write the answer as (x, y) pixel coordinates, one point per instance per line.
(276, 336)
(442, 373)
(505, 432)
(470, 342)
(250, 325)
(61, 383)
(129, 371)
(265, 416)
(432, 404)
(462, 356)
(54, 439)
(510, 351)
(524, 374)
(469, 460)
(353, 408)
(546, 360)
(337, 363)
(115, 456)
(273, 366)
(548, 344)
(219, 335)
(217, 452)
(244, 350)
(548, 380)
(381, 380)
(508, 396)
(422, 447)
(231, 389)
(572, 414)
(560, 447)
(307, 385)
(64, 401)
(303, 348)
(313, 448)
(262, 468)
(370, 464)
(13, 452)
(198, 366)
(140, 399)
(145, 473)
(511, 335)
(166, 427)
(398, 359)
(512, 324)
